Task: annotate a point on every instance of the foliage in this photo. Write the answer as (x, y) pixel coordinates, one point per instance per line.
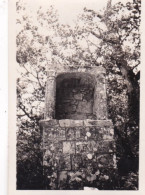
(109, 38)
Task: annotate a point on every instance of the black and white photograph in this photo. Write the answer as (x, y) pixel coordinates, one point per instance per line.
(77, 78)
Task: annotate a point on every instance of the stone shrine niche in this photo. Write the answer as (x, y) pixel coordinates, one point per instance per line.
(78, 137)
(74, 96)
(86, 88)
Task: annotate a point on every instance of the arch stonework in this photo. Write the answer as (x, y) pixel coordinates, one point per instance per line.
(73, 144)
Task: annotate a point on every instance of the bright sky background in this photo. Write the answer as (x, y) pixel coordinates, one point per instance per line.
(69, 9)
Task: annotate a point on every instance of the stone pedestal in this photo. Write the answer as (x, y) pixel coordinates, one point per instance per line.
(83, 147)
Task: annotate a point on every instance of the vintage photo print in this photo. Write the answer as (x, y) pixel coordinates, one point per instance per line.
(74, 83)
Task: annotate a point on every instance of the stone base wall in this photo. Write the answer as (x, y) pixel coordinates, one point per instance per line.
(77, 153)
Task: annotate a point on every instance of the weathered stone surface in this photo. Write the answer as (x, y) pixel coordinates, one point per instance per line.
(65, 162)
(79, 147)
(53, 134)
(49, 123)
(92, 146)
(68, 108)
(50, 97)
(108, 133)
(100, 123)
(64, 123)
(70, 134)
(85, 107)
(74, 96)
(100, 103)
(78, 96)
(70, 123)
(105, 146)
(56, 133)
(77, 116)
(69, 147)
(54, 148)
(62, 134)
(89, 161)
(80, 133)
(93, 132)
(77, 162)
(95, 147)
(77, 123)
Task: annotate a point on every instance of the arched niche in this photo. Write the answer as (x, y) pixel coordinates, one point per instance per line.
(75, 96)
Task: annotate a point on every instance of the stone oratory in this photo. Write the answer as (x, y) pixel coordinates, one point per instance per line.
(78, 137)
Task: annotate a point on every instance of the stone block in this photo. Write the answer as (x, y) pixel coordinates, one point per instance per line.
(105, 123)
(77, 123)
(92, 146)
(64, 123)
(62, 135)
(102, 113)
(85, 107)
(70, 133)
(81, 147)
(99, 133)
(89, 161)
(65, 162)
(49, 123)
(58, 148)
(55, 148)
(80, 133)
(69, 108)
(68, 147)
(93, 132)
(70, 123)
(100, 146)
(53, 134)
(56, 133)
(77, 162)
(104, 146)
(89, 122)
(108, 133)
(98, 123)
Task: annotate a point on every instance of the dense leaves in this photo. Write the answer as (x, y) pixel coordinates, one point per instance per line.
(110, 38)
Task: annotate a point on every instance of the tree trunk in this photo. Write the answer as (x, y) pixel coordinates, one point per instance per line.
(133, 90)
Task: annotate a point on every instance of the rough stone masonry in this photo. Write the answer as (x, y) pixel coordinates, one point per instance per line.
(78, 137)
